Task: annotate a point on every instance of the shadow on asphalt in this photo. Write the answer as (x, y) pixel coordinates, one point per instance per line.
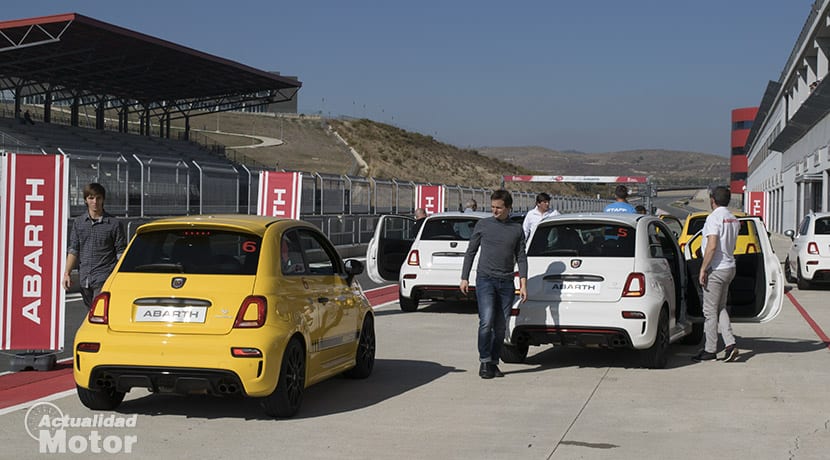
(459, 308)
(751, 346)
(390, 378)
(679, 355)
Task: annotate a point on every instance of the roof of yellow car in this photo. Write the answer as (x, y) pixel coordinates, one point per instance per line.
(252, 224)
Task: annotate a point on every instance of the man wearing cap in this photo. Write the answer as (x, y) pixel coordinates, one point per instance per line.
(621, 205)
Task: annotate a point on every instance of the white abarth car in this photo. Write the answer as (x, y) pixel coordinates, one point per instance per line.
(620, 281)
(809, 254)
(425, 259)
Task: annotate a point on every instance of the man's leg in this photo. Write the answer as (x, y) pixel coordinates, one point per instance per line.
(486, 298)
(505, 294)
(724, 279)
(88, 294)
(711, 297)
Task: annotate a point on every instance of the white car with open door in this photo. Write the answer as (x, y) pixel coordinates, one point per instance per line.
(425, 260)
(620, 281)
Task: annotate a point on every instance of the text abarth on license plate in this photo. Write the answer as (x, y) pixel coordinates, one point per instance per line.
(153, 314)
(576, 287)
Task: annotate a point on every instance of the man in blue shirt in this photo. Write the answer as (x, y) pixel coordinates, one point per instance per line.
(621, 205)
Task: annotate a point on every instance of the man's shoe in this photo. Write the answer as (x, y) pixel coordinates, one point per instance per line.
(496, 371)
(730, 353)
(704, 355)
(485, 372)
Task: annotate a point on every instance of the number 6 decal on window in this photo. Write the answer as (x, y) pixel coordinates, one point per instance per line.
(249, 246)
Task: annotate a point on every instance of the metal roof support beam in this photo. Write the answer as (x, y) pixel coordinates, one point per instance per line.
(47, 107)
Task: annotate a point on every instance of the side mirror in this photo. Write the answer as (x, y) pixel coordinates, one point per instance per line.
(353, 268)
(790, 233)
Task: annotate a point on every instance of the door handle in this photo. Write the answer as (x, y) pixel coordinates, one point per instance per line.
(323, 299)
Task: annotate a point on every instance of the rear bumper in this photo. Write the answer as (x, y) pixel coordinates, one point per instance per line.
(571, 336)
(819, 273)
(441, 293)
(167, 380)
(439, 284)
(585, 323)
(181, 363)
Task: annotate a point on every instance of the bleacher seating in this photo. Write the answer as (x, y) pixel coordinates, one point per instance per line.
(86, 141)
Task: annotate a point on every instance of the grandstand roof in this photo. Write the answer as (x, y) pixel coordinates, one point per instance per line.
(83, 56)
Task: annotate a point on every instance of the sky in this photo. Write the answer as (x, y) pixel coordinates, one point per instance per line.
(591, 76)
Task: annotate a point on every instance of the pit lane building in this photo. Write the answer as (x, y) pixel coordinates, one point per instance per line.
(787, 147)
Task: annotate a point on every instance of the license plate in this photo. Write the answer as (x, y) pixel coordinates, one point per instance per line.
(151, 314)
(448, 260)
(576, 287)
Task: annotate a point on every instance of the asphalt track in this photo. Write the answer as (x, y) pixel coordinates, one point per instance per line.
(425, 400)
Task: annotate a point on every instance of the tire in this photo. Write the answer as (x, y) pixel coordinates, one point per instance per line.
(514, 354)
(800, 281)
(99, 399)
(408, 304)
(656, 356)
(788, 272)
(365, 354)
(287, 397)
(695, 336)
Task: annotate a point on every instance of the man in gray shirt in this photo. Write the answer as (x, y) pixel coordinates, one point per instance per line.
(502, 246)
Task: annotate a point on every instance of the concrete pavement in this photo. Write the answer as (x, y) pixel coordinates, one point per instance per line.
(425, 400)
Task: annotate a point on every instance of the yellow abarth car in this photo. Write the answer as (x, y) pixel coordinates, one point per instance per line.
(231, 305)
(747, 242)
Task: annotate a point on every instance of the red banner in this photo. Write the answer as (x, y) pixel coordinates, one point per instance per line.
(430, 197)
(33, 234)
(280, 194)
(756, 204)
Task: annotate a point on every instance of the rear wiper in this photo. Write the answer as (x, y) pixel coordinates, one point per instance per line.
(164, 267)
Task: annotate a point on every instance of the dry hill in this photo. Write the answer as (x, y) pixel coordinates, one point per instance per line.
(391, 152)
(665, 166)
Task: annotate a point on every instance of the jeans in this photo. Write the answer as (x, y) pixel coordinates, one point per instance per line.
(495, 298)
(89, 294)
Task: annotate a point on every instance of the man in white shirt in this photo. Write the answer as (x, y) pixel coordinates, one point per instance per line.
(716, 273)
(535, 215)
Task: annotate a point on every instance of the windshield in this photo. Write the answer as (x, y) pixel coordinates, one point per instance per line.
(449, 228)
(696, 225)
(583, 240)
(193, 252)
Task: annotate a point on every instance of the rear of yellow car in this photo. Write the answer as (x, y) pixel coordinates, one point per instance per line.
(747, 242)
(194, 309)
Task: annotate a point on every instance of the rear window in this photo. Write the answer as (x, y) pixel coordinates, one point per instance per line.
(696, 225)
(449, 228)
(205, 252)
(583, 240)
(823, 226)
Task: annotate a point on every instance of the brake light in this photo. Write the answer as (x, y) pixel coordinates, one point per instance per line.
(100, 311)
(246, 352)
(414, 258)
(751, 249)
(89, 347)
(812, 248)
(251, 312)
(635, 285)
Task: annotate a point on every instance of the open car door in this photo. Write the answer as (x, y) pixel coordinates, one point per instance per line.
(389, 247)
(756, 294)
